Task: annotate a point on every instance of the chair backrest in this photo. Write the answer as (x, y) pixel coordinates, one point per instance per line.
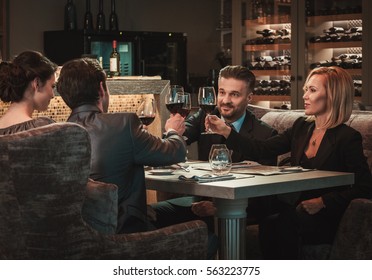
(43, 179)
(283, 119)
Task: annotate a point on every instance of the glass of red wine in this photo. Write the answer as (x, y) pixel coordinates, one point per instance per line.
(207, 101)
(174, 99)
(147, 111)
(186, 106)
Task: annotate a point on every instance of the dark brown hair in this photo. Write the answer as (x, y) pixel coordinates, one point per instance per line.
(79, 82)
(241, 73)
(15, 76)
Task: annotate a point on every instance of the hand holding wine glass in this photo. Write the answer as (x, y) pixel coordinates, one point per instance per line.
(207, 101)
(147, 111)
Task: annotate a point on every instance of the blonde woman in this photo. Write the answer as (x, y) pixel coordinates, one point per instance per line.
(319, 141)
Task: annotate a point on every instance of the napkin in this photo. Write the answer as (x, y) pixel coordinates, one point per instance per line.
(207, 178)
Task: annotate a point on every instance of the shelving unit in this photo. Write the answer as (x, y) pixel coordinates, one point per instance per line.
(302, 51)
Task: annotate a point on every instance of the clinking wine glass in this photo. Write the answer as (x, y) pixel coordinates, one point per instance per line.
(147, 111)
(220, 159)
(174, 99)
(186, 107)
(207, 101)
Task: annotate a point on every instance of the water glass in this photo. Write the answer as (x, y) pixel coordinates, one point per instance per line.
(220, 159)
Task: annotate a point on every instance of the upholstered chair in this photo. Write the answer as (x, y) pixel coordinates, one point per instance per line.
(50, 210)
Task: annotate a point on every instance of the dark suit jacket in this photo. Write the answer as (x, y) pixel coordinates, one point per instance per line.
(340, 150)
(250, 127)
(120, 149)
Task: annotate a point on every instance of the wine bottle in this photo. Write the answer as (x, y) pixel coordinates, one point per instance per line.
(70, 16)
(114, 61)
(113, 22)
(88, 18)
(100, 18)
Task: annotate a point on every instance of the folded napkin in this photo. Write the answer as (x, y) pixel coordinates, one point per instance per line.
(207, 178)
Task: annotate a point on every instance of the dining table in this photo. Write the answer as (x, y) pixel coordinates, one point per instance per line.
(230, 192)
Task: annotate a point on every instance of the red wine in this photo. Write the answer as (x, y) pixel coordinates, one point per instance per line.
(207, 108)
(146, 120)
(184, 112)
(174, 108)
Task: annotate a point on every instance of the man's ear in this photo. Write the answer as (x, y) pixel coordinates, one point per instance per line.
(101, 91)
(249, 97)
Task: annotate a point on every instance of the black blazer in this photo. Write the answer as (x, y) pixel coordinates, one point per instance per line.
(251, 127)
(340, 150)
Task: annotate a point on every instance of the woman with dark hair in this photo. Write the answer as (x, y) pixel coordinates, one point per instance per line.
(28, 84)
(320, 141)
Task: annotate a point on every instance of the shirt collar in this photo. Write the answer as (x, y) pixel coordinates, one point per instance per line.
(238, 123)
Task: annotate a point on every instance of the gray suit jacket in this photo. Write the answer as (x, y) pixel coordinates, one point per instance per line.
(120, 149)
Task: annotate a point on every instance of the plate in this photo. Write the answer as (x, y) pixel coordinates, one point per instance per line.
(161, 172)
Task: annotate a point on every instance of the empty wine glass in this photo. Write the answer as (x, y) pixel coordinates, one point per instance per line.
(147, 111)
(220, 159)
(207, 101)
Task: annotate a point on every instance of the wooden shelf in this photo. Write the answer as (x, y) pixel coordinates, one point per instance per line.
(267, 47)
(268, 20)
(334, 45)
(316, 20)
(256, 98)
(271, 72)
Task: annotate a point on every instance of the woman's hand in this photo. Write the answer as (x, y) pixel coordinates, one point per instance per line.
(311, 206)
(217, 125)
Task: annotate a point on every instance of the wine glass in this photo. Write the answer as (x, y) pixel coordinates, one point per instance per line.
(174, 99)
(220, 159)
(147, 111)
(207, 101)
(186, 105)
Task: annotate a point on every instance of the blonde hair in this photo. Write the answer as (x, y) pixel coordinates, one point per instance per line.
(339, 87)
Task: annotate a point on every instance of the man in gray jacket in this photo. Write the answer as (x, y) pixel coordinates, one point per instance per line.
(120, 145)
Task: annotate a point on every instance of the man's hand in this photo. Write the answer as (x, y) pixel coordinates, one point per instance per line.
(176, 122)
(311, 206)
(203, 208)
(217, 125)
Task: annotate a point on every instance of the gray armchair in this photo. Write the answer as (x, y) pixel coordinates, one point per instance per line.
(48, 211)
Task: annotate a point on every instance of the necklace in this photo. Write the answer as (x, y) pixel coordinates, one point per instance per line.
(316, 137)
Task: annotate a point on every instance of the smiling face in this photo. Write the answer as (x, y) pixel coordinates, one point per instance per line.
(233, 98)
(315, 96)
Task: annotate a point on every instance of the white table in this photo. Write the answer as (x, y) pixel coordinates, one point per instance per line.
(230, 198)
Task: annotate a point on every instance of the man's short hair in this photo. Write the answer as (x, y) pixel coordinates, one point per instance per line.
(239, 72)
(79, 82)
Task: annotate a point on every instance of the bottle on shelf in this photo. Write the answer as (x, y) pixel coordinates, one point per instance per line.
(88, 18)
(114, 60)
(70, 16)
(100, 18)
(113, 21)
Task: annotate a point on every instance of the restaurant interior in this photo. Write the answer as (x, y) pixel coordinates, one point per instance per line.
(164, 43)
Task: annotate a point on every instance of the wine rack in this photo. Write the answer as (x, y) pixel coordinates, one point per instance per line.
(334, 37)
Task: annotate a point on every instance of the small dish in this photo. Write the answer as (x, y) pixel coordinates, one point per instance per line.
(161, 172)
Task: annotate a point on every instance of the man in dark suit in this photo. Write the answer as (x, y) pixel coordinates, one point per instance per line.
(235, 86)
(120, 145)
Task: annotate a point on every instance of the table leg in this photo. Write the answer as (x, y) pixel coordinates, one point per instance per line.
(231, 214)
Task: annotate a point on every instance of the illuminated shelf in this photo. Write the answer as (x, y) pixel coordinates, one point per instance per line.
(270, 98)
(315, 20)
(271, 72)
(267, 47)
